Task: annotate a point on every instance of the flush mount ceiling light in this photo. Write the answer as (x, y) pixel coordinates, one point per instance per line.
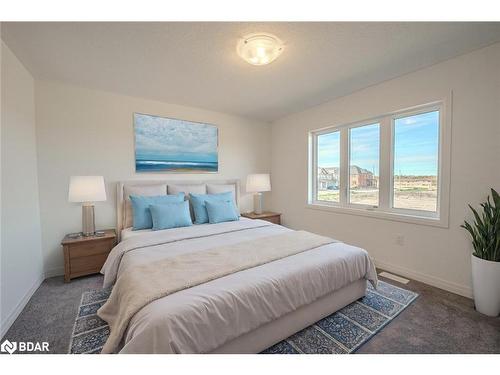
(259, 49)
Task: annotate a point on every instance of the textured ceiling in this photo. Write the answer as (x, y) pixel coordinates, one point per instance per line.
(195, 64)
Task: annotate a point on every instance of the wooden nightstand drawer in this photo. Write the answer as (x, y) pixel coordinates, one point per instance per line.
(88, 249)
(86, 255)
(90, 264)
(272, 217)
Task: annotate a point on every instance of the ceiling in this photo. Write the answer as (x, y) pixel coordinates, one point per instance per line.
(196, 64)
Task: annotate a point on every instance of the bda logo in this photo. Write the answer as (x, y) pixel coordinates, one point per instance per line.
(24, 346)
(9, 347)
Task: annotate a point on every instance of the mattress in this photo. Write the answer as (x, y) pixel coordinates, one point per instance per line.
(205, 317)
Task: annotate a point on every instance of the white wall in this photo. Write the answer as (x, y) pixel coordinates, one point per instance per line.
(81, 131)
(439, 256)
(21, 258)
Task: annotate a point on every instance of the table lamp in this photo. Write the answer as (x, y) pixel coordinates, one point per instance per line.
(258, 183)
(87, 190)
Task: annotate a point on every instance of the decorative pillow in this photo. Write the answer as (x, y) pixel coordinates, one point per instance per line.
(145, 190)
(198, 202)
(170, 215)
(140, 207)
(220, 211)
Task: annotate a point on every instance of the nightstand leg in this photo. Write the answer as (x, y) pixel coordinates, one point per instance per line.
(67, 266)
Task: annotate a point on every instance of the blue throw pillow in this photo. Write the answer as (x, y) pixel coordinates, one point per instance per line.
(140, 208)
(170, 215)
(198, 203)
(220, 211)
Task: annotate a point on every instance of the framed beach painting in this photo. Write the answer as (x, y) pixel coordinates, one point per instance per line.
(170, 145)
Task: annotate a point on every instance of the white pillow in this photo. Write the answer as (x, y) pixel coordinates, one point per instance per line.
(145, 190)
(187, 189)
(222, 188)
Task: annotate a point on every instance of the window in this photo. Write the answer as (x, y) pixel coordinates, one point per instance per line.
(364, 145)
(328, 167)
(416, 153)
(389, 166)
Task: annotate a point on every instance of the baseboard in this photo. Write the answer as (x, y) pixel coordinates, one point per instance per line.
(427, 279)
(5, 325)
(54, 272)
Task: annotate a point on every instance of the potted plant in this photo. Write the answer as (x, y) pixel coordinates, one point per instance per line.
(485, 233)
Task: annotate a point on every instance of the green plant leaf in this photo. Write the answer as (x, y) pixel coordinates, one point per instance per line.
(485, 230)
(496, 198)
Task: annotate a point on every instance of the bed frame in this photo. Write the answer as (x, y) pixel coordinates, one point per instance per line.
(271, 333)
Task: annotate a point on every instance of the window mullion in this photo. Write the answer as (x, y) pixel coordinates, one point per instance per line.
(344, 167)
(385, 163)
(313, 157)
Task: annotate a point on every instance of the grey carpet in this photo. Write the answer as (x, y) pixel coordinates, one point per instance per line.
(49, 315)
(436, 322)
(342, 332)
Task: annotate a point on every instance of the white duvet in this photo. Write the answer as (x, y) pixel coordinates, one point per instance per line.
(202, 318)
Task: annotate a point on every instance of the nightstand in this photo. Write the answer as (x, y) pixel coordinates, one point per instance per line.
(86, 255)
(272, 217)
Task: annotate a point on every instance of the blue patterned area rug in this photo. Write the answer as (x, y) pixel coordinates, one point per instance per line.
(339, 333)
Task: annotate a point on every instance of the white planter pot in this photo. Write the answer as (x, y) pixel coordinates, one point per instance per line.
(486, 286)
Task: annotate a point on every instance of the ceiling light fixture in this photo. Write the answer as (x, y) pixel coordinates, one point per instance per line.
(259, 49)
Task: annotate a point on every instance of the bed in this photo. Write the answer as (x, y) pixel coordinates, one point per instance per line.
(240, 312)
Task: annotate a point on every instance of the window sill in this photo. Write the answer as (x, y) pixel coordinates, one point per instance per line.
(385, 215)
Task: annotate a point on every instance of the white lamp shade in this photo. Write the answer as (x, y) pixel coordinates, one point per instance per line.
(86, 189)
(259, 182)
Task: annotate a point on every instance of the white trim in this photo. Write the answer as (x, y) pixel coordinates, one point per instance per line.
(377, 213)
(394, 277)
(384, 210)
(344, 173)
(385, 162)
(11, 318)
(437, 282)
(310, 174)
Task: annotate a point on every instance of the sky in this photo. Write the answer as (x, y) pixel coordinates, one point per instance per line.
(159, 138)
(416, 146)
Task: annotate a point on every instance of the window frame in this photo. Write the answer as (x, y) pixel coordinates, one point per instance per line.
(385, 208)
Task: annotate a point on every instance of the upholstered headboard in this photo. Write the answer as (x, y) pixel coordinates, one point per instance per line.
(159, 187)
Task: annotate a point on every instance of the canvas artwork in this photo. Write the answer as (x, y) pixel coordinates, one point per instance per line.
(171, 145)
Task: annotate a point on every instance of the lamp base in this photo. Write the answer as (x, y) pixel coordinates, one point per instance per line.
(88, 220)
(257, 203)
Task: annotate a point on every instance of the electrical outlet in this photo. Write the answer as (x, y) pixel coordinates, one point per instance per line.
(400, 240)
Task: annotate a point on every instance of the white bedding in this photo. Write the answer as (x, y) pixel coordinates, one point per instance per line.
(202, 318)
(129, 232)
